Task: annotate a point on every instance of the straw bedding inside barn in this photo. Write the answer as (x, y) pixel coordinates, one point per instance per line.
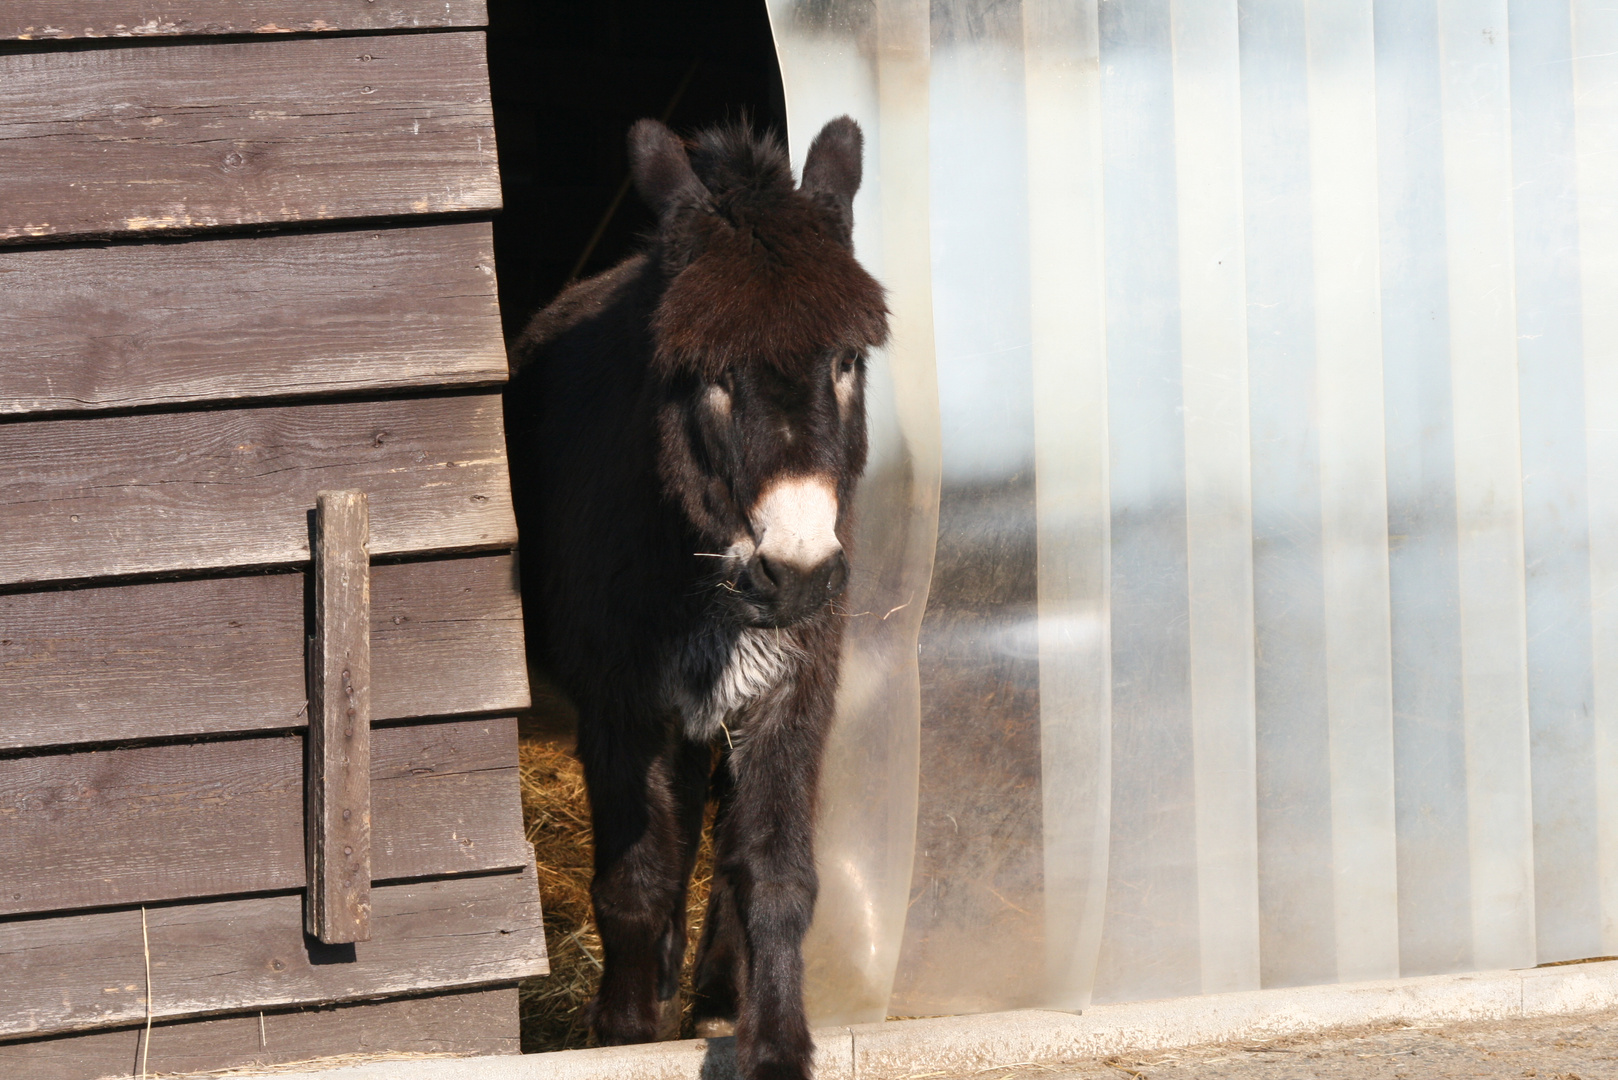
(557, 817)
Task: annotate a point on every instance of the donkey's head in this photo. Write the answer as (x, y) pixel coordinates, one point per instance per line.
(760, 342)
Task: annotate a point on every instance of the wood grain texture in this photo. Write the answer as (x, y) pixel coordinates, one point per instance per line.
(147, 824)
(226, 654)
(337, 818)
(50, 20)
(473, 1022)
(245, 317)
(84, 971)
(447, 637)
(162, 492)
(148, 141)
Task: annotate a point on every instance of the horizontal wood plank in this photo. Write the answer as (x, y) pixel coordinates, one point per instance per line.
(164, 492)
(245, 317)
(225, 655)
(85, 971)
(446, 638)
(146, 824)
(51, 20)
(473, 1022)
(147, 141)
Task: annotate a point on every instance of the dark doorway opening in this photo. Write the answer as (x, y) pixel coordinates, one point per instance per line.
(568, 78)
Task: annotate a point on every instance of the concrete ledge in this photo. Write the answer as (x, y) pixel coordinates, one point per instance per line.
(909, 1048)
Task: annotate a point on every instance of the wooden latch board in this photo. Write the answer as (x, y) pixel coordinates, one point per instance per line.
(337, 841)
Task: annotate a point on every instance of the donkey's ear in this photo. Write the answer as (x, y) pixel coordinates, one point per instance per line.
(831, 171)
(833, 165)
(660, 166)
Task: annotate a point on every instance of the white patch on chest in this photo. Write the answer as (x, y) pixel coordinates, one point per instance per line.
(759, 662)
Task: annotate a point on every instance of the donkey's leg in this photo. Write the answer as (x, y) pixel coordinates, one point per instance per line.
(637, 873)
(768, 857)
(690, 765)
(721, 969)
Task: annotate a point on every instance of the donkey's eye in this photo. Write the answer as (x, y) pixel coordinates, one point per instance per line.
(717, 397)
(846, 363)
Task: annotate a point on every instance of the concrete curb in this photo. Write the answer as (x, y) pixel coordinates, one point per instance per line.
(902, 1049)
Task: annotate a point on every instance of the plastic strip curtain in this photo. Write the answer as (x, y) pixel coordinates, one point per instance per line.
(1237, 600)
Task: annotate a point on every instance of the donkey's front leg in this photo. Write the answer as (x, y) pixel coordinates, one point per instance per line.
(638, 863)
(766, 856)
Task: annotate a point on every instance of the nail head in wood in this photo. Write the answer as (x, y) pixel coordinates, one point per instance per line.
(337, 841)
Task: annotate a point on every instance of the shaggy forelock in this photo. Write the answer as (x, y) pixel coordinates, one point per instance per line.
(732, 162)
(762, 273)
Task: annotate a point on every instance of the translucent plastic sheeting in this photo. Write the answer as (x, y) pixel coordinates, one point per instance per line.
(927, 86)
(1259, 363)
(840, 58)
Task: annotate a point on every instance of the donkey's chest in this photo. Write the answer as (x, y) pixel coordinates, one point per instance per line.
(713, 680)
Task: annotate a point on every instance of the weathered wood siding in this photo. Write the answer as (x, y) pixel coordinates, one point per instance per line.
(110, 142)
(87, 971)
(224, 655)
(148, 823)
(47, 20)
(193, 352)
(158, 492)
(266, 316)
(470, 1022)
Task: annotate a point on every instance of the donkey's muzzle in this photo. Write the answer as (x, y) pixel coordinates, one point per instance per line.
(787, 593)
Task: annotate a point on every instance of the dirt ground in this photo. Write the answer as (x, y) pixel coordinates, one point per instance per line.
(1550, 1048)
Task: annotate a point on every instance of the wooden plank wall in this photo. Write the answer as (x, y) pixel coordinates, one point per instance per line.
(143, 824)
(224, 655)
(123, 141)
(470, 1022)
(227, 489)
(233, 954)
(46, 20)
(228, 282)
(89, 328)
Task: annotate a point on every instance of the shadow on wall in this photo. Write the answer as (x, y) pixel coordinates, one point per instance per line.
(567, 80)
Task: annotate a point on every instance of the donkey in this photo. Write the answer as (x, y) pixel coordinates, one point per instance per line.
(687, 430)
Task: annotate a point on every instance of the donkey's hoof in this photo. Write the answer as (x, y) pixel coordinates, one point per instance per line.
(669, 1015)
(715, 1027)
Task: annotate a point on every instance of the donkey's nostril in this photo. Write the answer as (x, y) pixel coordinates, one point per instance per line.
(836, 569)
(792, 592)
(771, 577)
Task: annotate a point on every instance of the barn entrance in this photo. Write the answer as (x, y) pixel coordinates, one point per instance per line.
(567, 80)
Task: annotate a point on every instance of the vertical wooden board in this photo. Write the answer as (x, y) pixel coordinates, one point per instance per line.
(474, 1022)
(85, 971)
(244, 317)
(226, 654)
(155, 823)
(153, 140)
(186, 491)
(51, 20)
(337, 840)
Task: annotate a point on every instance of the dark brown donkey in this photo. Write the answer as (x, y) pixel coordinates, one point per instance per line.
(687, 430)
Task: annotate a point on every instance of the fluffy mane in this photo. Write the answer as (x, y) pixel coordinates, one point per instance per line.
(761, 270)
